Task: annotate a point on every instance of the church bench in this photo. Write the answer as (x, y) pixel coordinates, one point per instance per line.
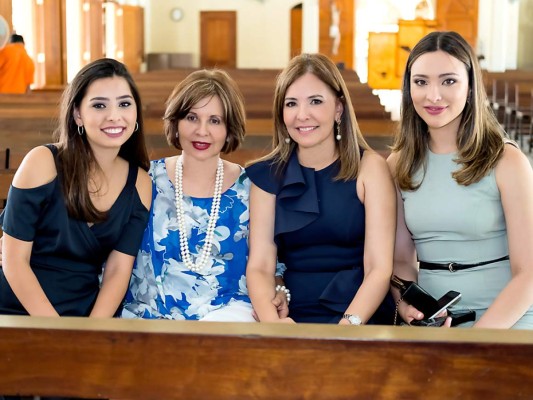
(141, 359)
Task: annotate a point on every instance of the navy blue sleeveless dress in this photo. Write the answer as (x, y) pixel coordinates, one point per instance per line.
(320, 235)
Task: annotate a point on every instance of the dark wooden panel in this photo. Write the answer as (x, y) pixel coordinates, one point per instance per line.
(196, 360)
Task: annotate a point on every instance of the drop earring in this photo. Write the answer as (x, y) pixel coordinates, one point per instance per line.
(287, 140)
(338, 137)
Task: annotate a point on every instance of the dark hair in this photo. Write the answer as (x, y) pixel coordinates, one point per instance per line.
(352, 140)
(17, 38)
(75, 157)
(480, 139)
(197, 86)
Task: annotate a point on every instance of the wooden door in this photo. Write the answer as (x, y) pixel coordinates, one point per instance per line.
(460, 16)
(50, 43)
(92, 28)
(6, 11)
(133, 34)
(296, 30)
(218, 35)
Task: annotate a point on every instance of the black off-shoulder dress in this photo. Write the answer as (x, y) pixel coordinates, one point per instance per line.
(68, 254)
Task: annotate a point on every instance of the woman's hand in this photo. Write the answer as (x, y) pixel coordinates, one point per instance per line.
(410, 314)
(287, 320)
(281, 303)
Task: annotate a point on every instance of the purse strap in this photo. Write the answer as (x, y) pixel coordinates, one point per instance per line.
(398, 283)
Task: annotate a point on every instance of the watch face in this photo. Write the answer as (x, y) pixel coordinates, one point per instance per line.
(354, 320)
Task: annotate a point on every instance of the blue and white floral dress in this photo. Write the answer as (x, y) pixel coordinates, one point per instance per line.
(162, 287)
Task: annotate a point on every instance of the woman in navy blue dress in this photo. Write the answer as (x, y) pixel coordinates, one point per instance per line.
(79, 203)
(323, 203)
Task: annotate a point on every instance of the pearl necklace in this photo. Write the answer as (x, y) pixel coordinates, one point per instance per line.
(213, 218)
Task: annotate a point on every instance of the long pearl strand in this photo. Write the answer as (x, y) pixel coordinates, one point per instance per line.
(213, 218)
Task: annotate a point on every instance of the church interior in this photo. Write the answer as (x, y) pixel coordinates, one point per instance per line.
(161, 42)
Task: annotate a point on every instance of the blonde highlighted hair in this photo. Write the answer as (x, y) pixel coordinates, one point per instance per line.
(352, 140)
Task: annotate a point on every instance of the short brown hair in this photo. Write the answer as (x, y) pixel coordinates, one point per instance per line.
(197, 86)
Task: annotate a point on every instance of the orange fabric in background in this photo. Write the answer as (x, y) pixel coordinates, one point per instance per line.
(16, 69)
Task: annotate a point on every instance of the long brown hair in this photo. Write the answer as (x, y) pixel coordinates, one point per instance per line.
(75, 156)
(197, 86)
(352, 140)
(480, 139)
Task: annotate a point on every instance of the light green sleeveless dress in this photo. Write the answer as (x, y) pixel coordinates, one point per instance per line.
(464, 224)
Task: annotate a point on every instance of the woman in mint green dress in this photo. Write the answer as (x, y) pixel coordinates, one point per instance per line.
(465, 192)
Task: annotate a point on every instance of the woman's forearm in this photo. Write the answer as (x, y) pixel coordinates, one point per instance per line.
(28, 290)
(510, 305)
(261, 287)
(114, 285)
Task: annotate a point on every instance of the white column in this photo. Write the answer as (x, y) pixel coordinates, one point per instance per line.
(498, 34)
(310, 26)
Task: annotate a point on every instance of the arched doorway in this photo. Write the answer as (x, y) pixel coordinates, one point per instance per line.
(296, 30)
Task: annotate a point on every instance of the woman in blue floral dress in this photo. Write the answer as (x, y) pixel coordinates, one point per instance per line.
(192, 260)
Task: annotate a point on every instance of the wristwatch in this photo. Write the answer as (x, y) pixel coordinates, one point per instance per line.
(353, 319)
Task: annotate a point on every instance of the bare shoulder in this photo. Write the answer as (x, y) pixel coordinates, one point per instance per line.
(232, 167)
(144, 187)
(513, 161)
(170, 162)
(232, 171)
(392, 160)
(37, 168)
(373, 164)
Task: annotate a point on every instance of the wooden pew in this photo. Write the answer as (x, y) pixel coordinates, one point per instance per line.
(141, 359)
(6, 177)
(500, 87)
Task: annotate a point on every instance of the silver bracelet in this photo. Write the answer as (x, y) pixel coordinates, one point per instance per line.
(280, 288)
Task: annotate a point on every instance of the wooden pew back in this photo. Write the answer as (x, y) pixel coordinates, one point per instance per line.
(140, 359)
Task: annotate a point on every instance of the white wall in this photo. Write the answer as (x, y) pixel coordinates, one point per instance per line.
(525, 47)
(498, 34)
(263, 29)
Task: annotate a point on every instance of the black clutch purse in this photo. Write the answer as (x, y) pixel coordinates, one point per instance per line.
(415, 295)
